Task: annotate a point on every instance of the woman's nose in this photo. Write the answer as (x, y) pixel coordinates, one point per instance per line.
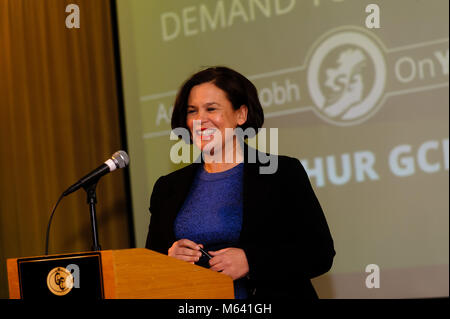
(202, 116)
(198, 119)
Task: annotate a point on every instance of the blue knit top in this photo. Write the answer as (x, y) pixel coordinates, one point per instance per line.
(212, 214)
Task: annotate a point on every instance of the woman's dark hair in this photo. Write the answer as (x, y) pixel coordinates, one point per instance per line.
(239, 90)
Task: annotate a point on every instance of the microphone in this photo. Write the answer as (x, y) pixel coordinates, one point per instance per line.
(119, 159)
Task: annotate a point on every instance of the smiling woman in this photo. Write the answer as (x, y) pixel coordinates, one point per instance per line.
(218, 213)
(209, 115)
(211, 105)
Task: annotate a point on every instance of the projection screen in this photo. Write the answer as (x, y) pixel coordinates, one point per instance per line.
(358, 93)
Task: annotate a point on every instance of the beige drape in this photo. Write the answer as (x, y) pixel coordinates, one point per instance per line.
(59, 119)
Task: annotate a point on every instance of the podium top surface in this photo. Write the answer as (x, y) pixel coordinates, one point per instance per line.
(128, 273)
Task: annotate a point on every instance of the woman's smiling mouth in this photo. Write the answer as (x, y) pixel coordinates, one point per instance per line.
(205, 133)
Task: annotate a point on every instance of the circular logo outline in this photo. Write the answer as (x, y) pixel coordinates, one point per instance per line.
(374, 49)
(60, 281)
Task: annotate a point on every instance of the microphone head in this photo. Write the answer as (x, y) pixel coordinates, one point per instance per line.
(121, 159)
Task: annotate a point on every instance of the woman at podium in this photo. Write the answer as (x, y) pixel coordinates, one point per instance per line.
(250, 215)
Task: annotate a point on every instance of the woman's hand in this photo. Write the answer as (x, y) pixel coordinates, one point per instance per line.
(230, 261)
(185, 249)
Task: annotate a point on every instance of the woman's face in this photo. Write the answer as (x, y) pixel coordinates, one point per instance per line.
(213, 113)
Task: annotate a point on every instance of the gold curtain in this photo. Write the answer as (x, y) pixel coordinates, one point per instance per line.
(59, 119)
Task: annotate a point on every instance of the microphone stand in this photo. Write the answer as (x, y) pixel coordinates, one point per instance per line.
(92, 200)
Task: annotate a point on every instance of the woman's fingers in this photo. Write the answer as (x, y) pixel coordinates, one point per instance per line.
(218, 258)
(188, 252)
(218, 252)
(191, 259)
(188, 243)
(218, 266)
(185, 249)
(230, 261)
(219, 262)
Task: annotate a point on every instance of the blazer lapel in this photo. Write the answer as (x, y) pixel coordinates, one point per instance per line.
(251, 194)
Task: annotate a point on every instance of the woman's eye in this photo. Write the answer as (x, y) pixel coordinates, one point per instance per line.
(190, 111)
(211, 109)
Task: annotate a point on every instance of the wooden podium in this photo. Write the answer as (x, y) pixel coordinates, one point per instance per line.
(114, 274)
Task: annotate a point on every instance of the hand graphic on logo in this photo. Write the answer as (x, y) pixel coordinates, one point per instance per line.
(346, 81)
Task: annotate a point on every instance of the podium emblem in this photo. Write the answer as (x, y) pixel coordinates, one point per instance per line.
(60, 281)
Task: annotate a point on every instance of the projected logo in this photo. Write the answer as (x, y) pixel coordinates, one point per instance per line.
(346, 77)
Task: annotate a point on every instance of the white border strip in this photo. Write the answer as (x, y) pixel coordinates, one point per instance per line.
(307, 108)
(414, 90)
(417, 45)
(288, 111)
(156, 134)
(156, 96)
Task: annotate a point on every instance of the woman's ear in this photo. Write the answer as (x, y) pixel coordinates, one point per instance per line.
(242, 114)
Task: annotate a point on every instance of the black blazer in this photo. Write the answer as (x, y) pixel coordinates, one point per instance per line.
(284, 232)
